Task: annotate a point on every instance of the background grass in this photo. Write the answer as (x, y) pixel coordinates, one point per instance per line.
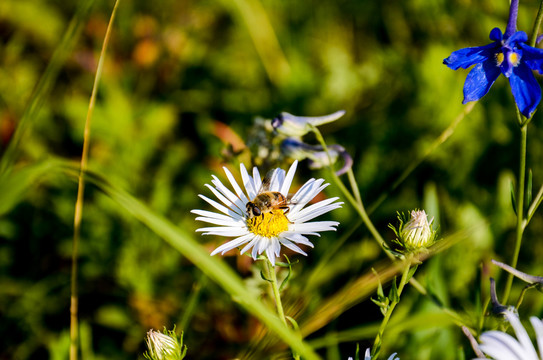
(183, 82)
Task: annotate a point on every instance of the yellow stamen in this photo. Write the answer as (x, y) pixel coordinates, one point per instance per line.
(513, 58)
(499, 58)
(269, 224)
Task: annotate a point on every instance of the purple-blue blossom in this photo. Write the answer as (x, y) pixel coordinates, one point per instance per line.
(508, 55)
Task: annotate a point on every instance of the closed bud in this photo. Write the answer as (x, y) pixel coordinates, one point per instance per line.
(416, 233)
(164, 346)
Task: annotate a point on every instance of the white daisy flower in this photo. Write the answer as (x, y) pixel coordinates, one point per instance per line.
(501, 346)
(367, 356)
(275, 227)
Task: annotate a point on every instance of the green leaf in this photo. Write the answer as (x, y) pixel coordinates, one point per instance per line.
(380, 292)
(412, 271)
(393, 294)
(14, 185)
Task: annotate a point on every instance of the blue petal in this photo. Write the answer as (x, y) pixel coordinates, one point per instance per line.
(525, 89)
(466, 57)
(479, 80)
(518, 37)
(496, 34)
(532, 57)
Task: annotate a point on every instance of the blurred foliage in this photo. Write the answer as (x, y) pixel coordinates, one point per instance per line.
(182, 85)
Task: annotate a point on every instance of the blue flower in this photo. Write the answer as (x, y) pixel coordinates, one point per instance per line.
(508, 55)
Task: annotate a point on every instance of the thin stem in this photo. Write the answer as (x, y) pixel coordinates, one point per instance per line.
(272, 277)
(358, 206)
(78, 214)
(354, 186)
(377, 343)
(520, 209)
(523, 292)
(537, 24)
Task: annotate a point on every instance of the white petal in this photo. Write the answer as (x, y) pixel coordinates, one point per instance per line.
(233, 244)
(248, 182)
(249, 244)
(255, 252)
(316, 226)
(288, 179)
(220, 207)
(229, 194)
(213, 215)
(229, 222)
(263, 245)
(522, 336)
(256, 180)
(235, 186)
(501, 346)
(223, 231)
(225, 201)
(538, 327)
(315, 210)
(393, 357)
(367, 356)
(289, 244)
(297, 238)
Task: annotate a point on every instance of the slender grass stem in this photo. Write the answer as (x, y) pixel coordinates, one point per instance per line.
(272, 277)
(519, 206)
(378, 339)
(78, 214)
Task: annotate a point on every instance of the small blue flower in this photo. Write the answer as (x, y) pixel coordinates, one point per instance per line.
(509, 55)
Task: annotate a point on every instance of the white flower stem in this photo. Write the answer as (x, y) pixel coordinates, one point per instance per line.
(272, 277)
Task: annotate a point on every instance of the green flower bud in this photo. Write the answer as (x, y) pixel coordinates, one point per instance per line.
(416, 233)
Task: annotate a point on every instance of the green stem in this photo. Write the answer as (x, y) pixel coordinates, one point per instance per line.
(356, 203)
(377, 343)
(520, 207)
(272, 277)
(537, 24)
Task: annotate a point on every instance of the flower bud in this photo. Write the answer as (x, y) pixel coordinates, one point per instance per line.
(164, 346)
(416, 233)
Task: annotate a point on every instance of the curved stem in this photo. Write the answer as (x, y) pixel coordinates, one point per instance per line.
(537, 24)
(377, 343)
(520, 208)
(357, 204)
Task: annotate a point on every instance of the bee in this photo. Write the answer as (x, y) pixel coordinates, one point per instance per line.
(266, 200)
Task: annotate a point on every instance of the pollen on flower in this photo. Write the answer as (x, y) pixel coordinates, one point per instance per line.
(499, 58)
(513, 58)
(269, 224)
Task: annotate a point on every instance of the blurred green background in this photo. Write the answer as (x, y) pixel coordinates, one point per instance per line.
(182, 84)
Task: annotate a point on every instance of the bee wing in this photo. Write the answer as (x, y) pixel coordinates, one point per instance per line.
(266, 183)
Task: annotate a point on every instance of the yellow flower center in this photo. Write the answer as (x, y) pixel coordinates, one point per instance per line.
(269, 224)
(499, 58)
(513, 58)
